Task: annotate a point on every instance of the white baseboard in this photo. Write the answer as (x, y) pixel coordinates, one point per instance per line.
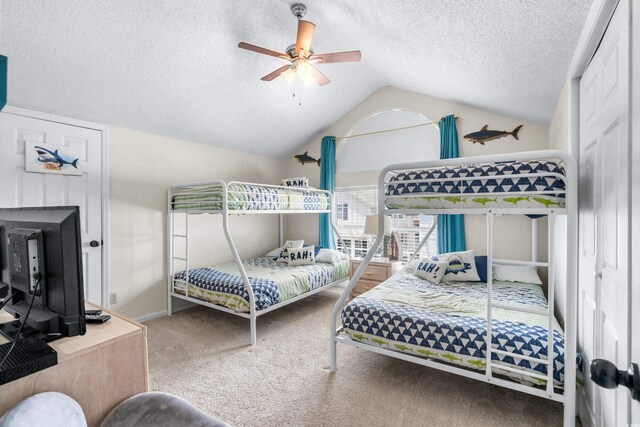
(149, 317)
(163, 313)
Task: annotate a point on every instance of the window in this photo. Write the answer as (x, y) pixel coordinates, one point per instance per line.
(342, 211)
(353, 204)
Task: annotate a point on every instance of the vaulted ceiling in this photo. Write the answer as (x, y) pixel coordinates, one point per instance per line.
(172, 67)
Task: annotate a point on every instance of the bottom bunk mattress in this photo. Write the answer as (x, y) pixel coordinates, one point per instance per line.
(447, 322)
(271, 282)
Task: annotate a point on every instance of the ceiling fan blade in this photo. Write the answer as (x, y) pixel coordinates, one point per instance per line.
(262, 50)
(326, 58)
(305, 35)
(272, 75)
(320, 78)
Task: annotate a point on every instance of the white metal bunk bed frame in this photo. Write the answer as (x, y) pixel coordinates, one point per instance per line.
(568, 398)
(224, 191)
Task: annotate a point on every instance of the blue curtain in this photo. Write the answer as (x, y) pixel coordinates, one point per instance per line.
(327, 182)
(450, 227)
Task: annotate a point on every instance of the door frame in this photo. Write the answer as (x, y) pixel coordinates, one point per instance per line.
(635, 190)
(106, 193)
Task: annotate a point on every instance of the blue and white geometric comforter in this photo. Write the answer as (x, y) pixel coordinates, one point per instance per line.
(447, 322)
(271, 282)
(438, 187)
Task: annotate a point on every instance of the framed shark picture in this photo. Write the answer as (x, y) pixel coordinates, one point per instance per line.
(55, 159)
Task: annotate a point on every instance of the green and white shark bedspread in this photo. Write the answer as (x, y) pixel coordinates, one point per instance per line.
(250, 197)
(271, 282)
(447, 322)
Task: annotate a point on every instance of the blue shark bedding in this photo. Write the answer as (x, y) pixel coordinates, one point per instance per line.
(447, 322)
(250, 197)
(440, 188)
(271, 282)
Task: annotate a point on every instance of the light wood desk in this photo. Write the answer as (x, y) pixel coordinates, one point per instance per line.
(99, 369)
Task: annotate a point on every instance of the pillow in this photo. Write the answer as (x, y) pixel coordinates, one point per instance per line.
(302, 256)
(481, 266)
(330, 256)
(516, 273)
(288, 244)
(433, 271)
(462, 266)
(296, 182)
(316, 249)
(411, 267)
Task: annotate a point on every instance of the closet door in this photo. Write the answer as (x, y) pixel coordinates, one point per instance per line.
(604, 278)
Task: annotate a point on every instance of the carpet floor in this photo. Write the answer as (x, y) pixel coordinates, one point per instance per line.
(202, 355)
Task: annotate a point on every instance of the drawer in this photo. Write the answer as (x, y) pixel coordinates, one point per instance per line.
(375, 272)
(363, 286)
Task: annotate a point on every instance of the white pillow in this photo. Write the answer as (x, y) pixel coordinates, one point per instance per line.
(411, 267)
(516, 273)
(301, 182)
(302, 256)
(432, 271)
(461, 268)
(288, 244)
(330, 256)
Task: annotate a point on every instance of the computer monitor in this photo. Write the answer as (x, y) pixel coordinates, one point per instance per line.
(41, 254)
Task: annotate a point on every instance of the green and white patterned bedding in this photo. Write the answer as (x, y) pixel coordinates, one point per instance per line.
(271, 282)
(250, 197)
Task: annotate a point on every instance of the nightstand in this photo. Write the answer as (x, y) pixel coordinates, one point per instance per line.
(377, 272)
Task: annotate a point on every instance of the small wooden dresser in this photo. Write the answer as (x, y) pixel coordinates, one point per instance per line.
(377, 272)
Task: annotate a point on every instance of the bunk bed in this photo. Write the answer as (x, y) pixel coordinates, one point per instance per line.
(493, 331)
(252, 287)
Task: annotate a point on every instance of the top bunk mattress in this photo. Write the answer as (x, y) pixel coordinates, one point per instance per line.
(538, 184)
(249, 197)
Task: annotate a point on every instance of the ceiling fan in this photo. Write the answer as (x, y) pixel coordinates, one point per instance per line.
(301, 56)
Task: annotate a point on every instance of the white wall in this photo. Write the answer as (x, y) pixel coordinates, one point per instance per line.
(558, 135)
(513, 235)
(374, 152)
(143, 166)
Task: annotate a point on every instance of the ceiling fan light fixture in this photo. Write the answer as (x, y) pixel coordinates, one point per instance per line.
(289, 75)
(301, 56)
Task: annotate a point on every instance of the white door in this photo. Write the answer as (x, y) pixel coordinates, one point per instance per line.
(604, 276)
(20, 188)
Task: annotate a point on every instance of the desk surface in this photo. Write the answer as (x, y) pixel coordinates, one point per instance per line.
(99, 369)
(115, 329)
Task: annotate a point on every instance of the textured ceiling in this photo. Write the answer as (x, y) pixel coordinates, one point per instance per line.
(172, 66)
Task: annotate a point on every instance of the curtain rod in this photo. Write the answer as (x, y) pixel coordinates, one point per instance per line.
(389, 130)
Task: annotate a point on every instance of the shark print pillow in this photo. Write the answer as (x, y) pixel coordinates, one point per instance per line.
(461, 266)
(432, 271)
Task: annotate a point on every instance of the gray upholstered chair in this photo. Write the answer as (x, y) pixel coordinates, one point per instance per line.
(158, 410)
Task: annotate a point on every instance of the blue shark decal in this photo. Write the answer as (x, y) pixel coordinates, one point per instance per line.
(457, 265)
(48, 156)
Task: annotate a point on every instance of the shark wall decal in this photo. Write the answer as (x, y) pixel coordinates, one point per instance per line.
(484, 135)
(48, 156)
(306, 158)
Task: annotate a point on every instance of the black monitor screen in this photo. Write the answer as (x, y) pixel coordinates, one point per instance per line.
(41, 258)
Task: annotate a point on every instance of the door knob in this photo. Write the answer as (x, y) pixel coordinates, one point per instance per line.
(597, 275)
(94, 244)
(607, 375)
